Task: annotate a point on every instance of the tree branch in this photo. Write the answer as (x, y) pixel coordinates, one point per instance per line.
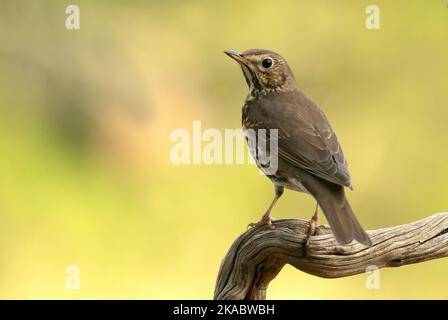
(259, 254)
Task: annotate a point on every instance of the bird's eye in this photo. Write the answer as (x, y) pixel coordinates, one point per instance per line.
(267, 62)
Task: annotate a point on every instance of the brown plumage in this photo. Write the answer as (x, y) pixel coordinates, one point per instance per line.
(310, 158)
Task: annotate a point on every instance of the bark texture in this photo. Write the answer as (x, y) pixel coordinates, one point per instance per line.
(259, 254)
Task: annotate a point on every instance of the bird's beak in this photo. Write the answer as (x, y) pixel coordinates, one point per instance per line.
(237, 57)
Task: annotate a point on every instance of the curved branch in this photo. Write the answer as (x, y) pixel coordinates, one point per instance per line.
(259, 254)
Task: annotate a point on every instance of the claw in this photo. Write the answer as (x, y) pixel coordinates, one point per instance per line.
(311, 232)
(264, 221)
(312, 229)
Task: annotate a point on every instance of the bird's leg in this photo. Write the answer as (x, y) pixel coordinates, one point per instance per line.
(266, 218)
(313, 224)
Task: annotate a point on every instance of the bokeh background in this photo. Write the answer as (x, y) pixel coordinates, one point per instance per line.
(86, 115)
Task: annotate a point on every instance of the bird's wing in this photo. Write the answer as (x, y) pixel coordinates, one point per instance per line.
(305, 137)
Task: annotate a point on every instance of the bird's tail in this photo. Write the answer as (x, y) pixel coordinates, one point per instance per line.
(343, 222)
(339, 214)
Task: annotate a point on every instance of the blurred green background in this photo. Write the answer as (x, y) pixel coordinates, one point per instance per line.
(85, 117)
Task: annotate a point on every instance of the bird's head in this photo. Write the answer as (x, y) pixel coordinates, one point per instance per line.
(265, 71)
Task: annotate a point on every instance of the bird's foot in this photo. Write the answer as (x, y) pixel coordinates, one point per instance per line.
(265, 220)
(311, 231)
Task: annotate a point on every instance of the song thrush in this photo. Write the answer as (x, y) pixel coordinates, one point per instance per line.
(310, 158)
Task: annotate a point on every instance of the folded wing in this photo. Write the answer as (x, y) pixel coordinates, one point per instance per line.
(305, 137)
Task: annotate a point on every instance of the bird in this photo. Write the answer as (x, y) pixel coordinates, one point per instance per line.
(310, 158)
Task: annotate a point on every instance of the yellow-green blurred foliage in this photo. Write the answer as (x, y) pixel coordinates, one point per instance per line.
(85, 117)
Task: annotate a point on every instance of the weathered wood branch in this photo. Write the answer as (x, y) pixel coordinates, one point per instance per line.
(259, 254)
